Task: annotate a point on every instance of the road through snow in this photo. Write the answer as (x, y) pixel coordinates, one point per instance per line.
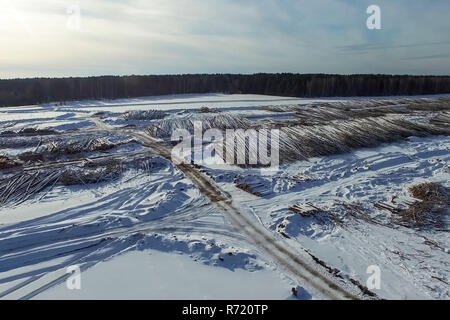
(299, 264)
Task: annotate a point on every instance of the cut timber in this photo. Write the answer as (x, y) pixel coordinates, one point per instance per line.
(247, 188)
(385, 206)
(305, 209)
(302, 178)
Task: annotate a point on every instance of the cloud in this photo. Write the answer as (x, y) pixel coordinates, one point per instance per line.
(245, 36)
(365, 47)
(436, 56)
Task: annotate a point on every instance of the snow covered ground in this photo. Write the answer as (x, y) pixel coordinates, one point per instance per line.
(151, 233)
(410, 263)
(158, 275)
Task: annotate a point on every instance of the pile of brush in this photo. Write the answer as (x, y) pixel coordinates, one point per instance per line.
(208, 110)
(300, 142)
(91, 173)
(433, 200)
(22, 142)
(7, 163)
(442, 119)
(20, 187)
(164, 129)
(304, 142)
(428, 104)
(79, 146)
(24, 185)
(323, 113)
(29, 132)
(144, 115)
(55, 149)
(322, 129)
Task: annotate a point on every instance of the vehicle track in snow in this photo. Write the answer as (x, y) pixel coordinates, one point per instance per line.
(299, 264)
(295, 261)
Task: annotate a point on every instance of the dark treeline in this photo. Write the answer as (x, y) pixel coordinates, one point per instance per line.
(41, 90)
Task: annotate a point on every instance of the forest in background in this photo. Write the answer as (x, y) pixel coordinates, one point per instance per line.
(17, 92)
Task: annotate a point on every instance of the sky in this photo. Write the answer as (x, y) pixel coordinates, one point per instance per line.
(57, 38)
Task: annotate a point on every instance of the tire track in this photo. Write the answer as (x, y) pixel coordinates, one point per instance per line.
(300, 265)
